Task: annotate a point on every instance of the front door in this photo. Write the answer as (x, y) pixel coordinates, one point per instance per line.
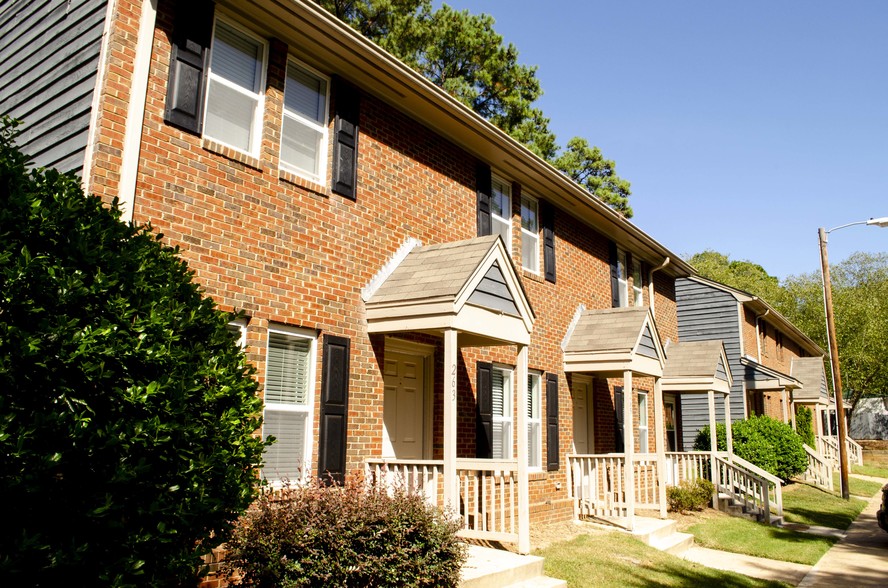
(582, 417)
(669, 417)
(403, 414)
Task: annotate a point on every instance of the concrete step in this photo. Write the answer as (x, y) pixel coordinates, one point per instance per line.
(495, 568)
(676, 544)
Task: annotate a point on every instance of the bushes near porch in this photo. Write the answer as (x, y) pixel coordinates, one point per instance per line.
(689, 495)
(768, 443)
(350, 535)
(805, 426)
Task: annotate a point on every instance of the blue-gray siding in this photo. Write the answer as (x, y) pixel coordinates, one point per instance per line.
(646, 346)
(705, 314)
(49, 58)
(492, 292)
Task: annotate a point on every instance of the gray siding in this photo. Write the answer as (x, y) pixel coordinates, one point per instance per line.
(646, 345)
(49, 58)
(705, 314)
(492, 292)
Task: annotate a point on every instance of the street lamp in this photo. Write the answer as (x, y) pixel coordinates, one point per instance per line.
(833, 345)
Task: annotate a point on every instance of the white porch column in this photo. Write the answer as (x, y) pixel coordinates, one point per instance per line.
(785, 404)
(818, 421)
(660, 439)
(451, 483)
(728, 431)
(628, 450)
(713, 446)
(523, 489)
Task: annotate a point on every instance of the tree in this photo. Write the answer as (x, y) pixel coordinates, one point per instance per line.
(743, 275)
(463, 54)
(128, 410)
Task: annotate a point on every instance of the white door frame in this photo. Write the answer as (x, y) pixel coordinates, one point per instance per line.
(426, 354)
(589, 381)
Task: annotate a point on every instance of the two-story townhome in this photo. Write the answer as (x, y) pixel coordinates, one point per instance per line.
(424, 299)
(766, 352)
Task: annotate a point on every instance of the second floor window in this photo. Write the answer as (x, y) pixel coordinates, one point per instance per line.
(623, 278)
(530, 235)
(304, 132)
(234, 92)
(637, 282)
(501, 211)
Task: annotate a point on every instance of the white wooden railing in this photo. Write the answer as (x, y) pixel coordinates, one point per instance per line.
(413, 475)
(488, 497)
(828, 447)
(820, 469)
(855, 451)
(686, 465)
(750, 485)
(598, 484)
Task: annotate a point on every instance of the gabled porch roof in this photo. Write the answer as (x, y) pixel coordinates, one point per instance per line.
(760, 377)
(612, 341)
(810, 372)
(470, 286)
(697, 366)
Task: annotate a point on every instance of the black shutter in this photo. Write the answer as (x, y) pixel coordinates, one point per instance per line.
(186, 84)
(345, 139)
(547, 220)
(552, 444)
(484, 414)
(615, 275)
(485, 189)
(334, 409)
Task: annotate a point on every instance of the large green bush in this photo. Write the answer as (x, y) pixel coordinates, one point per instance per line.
(350, 535)
(805, 425)
(763, 441)
(127, 409)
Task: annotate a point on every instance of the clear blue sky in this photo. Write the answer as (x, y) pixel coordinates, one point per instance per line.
(742, 126)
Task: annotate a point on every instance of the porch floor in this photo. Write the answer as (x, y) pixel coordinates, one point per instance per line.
(497, 568)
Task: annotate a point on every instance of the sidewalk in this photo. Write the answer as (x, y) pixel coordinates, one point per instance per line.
(748, 565)
(860, 559)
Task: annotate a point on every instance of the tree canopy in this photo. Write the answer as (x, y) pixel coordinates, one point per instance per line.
(464, 55)
(127, 410)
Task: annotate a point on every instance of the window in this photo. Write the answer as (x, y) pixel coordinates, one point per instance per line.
(637, 289)
(622, 279)
(234, 93)
(289, 379)
(304, 132)
(238, 329)
(642, 422)
(501, 211)
(502, 413)
(618, 419)
(779, 337)
(763, 335)
(530, 236)
(534, 421)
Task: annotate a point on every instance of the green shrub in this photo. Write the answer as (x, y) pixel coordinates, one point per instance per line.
(805, 425)
(127, 409)
(350, 535)
(763, 441)
(689, 495)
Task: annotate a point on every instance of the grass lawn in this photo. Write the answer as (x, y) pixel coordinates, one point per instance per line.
(856, 486)
(809, 505)
(616, 560)
(869, 470)
(740, 535)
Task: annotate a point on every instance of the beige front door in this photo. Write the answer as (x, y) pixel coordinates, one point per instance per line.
(582, 417)
(402, 435)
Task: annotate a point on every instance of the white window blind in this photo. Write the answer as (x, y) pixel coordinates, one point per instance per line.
(534, 423)
(642, 422)
(502, 414)
(304, 133)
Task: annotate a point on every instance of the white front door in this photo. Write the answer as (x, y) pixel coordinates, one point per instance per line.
(582, 417)
(402, 434)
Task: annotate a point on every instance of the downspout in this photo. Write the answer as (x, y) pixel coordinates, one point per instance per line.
(758, 335)
(651, 284)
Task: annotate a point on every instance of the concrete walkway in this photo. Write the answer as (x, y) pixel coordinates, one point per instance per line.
(859, 559)
(756, 567)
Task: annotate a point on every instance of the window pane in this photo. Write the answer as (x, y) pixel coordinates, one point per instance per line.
(305, 94)
(229, 116)
(502, 229)
(529, 215)
(534, 445)
(236, 57)
(530, 252)
(287, 370)
(284, 460)
(301, 146)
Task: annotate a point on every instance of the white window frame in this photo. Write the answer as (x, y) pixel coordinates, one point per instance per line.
(533, 237)
(637, 283)
(534, 420)
(643, 421)
(506, 420)
(622, 278)
(502, 225)
(307, 408)
(259, 95)
(241, 326)
(322, 127)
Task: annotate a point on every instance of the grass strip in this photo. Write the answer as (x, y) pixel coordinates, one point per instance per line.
(867, 470)
(809, 505)
(856, 486)
(616, 560)
(740, 535)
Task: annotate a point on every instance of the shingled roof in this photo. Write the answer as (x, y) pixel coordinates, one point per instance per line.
(810, 372)
(697, 366)
(614, 340)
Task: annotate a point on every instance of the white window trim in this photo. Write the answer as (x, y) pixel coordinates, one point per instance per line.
(637, 286)
(322, 127)
(643, 422)
(507, 418)
(308, 409)
(241, 325)
(535, 418)
(622, 278)
(504, 220)
(530, 235)
(259, 114)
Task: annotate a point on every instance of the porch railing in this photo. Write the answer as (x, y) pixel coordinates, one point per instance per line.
(488, 497)
(597, 484)
(820, 470)
(686, 465)
(413, 475)
(828, 447)
(753, 487)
